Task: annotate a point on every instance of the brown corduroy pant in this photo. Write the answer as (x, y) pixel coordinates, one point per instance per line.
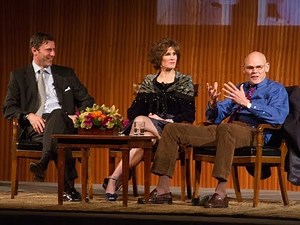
(225, 136)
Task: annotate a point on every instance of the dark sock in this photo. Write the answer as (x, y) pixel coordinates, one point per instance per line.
(69, 185)
(44, 161)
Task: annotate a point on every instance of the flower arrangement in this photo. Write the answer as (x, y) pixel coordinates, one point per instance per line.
(101, 117)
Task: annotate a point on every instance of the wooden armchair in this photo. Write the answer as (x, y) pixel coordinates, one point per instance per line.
(256, 156)
(184, 156)
(22, 149)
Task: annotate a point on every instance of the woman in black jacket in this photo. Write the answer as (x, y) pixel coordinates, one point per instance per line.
(164, 97)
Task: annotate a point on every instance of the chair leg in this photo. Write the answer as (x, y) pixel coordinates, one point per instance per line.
(282, 185)
(112, 162)
(14, 179)
(257, 175)
(197, 179)
(188, 176)
(182, 174)
(236, 183)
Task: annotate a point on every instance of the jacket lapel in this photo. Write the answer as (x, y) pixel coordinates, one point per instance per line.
(58, 83)
(32, 86)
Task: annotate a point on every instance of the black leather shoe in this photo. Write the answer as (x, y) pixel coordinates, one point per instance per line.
(37, 170)
(72, 195)
(216, 202)
(157, 199)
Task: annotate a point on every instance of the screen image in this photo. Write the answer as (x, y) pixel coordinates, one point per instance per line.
(278, 12)
(219, 12)
(196, 12)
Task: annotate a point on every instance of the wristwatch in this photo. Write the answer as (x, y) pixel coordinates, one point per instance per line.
(249, 105)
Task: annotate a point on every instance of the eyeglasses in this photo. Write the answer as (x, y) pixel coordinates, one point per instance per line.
(258, 67)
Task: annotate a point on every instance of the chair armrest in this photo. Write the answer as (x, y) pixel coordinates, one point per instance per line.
(263, 126)
(260, 137)
(204, 123)
(15, 129)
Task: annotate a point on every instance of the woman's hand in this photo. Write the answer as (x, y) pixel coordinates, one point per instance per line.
(154, 116)
(73, 118)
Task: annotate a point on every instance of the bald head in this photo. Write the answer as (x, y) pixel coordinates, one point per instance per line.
(256, 57)
(256, 67)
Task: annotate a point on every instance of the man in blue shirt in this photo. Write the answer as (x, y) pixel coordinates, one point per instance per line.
(258, 100)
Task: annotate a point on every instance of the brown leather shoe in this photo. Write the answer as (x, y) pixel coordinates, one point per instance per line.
(216, 202)
(154, 198)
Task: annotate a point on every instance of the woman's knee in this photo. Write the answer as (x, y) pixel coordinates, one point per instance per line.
(141, 118)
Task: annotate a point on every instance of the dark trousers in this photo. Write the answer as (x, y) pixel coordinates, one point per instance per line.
(57, 122)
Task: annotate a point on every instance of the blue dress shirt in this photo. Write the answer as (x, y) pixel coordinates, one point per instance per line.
(269, 104)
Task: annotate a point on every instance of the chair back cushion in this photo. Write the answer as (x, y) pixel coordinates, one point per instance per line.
(29, 145)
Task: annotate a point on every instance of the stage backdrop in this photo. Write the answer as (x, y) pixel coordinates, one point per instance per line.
(107, 43)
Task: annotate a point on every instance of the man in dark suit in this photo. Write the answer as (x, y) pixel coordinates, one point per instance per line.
(48, 108)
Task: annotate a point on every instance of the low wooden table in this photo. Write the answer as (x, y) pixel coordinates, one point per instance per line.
(85, 142)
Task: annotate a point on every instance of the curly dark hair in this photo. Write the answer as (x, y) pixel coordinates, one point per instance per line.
(160, 48)
(38, 39)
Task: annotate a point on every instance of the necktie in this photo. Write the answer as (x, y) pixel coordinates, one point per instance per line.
(234, 115)
(42, 92)
(250, 92)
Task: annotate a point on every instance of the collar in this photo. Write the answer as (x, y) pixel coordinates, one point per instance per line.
(37, 68)
(259, 85)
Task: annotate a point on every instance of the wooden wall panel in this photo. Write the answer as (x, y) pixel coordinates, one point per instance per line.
(107, 43)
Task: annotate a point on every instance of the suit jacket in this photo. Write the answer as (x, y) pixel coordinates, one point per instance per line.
(22, 94)
(291, 129)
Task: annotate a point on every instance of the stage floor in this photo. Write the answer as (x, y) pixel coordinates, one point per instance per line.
(36, 203)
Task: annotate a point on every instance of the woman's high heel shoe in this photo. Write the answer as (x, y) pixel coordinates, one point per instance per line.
(106, 180)
(111, 197)
(119, 181)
